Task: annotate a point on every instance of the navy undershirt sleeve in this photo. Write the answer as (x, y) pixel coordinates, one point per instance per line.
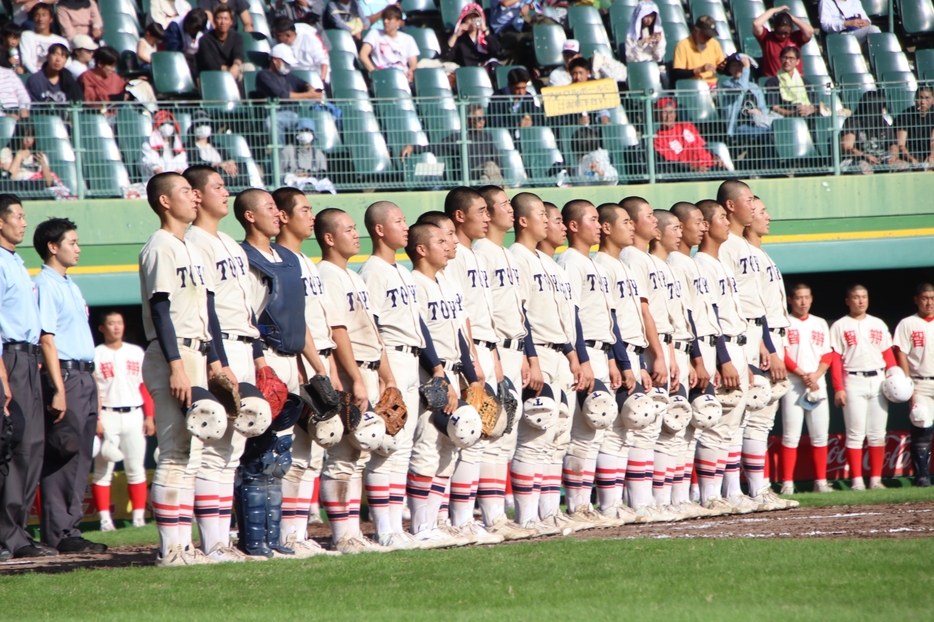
(428, 359)
(529, 346)
(767, 336)
(723, 357)
(581, 347)
(695, 344)
(218, 353)
(619, 348)
(469, 372)
(160, 307)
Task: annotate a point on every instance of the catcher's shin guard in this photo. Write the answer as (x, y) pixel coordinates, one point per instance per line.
(250, 500)
(921, 455)
(274, 516)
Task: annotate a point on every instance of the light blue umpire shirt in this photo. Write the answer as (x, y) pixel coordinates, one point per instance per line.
(19, 309)
(64, 313)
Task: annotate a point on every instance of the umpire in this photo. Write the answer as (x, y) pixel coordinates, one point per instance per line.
(69, 390)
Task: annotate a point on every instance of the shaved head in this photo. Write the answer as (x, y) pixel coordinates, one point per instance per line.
(708, 208)
(420, 234)
(608, 213)
(683, 210)
(435, 218)
(287, 198)
(489, 193)
(377, 214)
(326, 222)
(523, 203)
(632, 205)
(460, 199)
(665, 218)
(245, 202)
(574, 210)
(160, 185)
(730, 190)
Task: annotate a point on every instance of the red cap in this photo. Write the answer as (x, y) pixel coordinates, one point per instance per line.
(664, 102)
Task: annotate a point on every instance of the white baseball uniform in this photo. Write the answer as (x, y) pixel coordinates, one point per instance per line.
(807, 344)
(119, 374)
(740, 257)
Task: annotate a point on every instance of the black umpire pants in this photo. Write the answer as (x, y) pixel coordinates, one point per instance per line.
(18, 487)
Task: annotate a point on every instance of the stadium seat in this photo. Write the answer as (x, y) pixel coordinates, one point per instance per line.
(106, 179)
(385, 79)
(427, 40)
(727, 45)
(622, 142)
(589, 48)
(548, 43)
(418, 6)
(133, 129)
(591, 33)
(917, 16)
(121, 41)
(502, 137)
(620, 14)
(824, 132)
(256, 6)
(618, 116)
(797, 8)
(539, 150)
(7, 128)
(120, 22)
(854, 85)
(644, 77)
(672, 14)
(513, 168)
(900, 88)
(890, 62)
(473, 83)
(440, 117)
(348, 85)
(370, 154)
(502, 75)
(814, 66)
(695, 100)
(260, 24)
(257, 49)
(674, 32)
(841, 43)
(848, 63)
(327, 137)
(876, 8)
(431, 79)
(811, 48)
(924, 61)
(219, 86)
(402, 127)
(882, 42)
(249, 83)
(748, 42)
(237, 149)
(582, 14)
(126, 7)
(339, 40)
(342, 61)
(170, 74)
(706, 7)
(450, 11)
(792, 139)
(52, 139)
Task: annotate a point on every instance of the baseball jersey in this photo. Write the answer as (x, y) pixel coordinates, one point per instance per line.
(772, 286)
(175, 267)
(232, 298)
(454, 288)
(505, 293)
(316, 317)
(471, 275)
(393, 303)
(64, 313)
(724, 294)
(860, 342)
(696, 292)
(119, 373)
(19, 301)
(644, 271)
(807, 340)
(546, 305)
(913, 337)
(439, 308)
(591, 287)
(625, 294)
(681, 328)
(737, 255)
(347, 295)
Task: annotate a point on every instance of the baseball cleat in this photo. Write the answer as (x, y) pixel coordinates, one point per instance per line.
(875, 483)
(653, 514)
(107, 525)
(579, 522)
(480, 534)
(745, 505)
(787, 504)
(562, 521)
(374, 547)
(434, 539)
(544, 529)
(509, 530)
(400, 541)
(587, 513)
(139, 522)
(923, 482)
(788, 488)
(720, 506)
(314, 518)
(462, 539)
(194, 556)
(858, 484)
(769, 501)
(822, 486)
(172, 557)
(306, 548)
(221, 553)
(675, 511)
(622, 514)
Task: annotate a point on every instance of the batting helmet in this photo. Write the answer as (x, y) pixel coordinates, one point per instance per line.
(463, 426)
(206, 419)
(897, 386)
(707, 411)
(599, 407)
(729, 398)
(255, 413)
(638, 411)
(540, 411)
(922, 412)
(110, 451)
(327, 433)
(678, 414)
(760, 393)
(779, 389)
(369, 432)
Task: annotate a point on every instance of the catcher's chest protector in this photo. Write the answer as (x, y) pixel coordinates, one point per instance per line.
(282, 323)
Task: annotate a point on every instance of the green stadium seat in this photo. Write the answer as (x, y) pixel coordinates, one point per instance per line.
(369, 153)
(620, 14)
(876, 8)
(256, 6)
(591, 33)
(7, 128)
(171, 75)
(797, 8)
(841, 43)
(793, 139)
(618, 116)
(578, 15)
(674, 32)
(917, 16)
(502, 137)
(513, 168)
(257, 49)
(431, 78)
(814, 66)
(854, 86)
(385, 79)
(811, 48)
(249, 83)
(450, 11)
(419, 6)
(428, 45)
(749, 43)
(133, 129)
(260, 24)
(706, 7)
(890, 62)
(589, 48)
(348, 85)
(342, 61)
(121, 41)
(848, 64)
(672, 14)
(924, 61)
(440, 117)
(234, 145)
(882, 42)
(52, 139)
(548, 43)
(219, 86)
(339, 40)
(539, 150)
(126, 7)
(622, 142)
(900, 88)
(695, 100)
(632, 3)
(327, 136)
(727, 45)
(120, 22)
(644, 77)
(473, 83)
(402, 128)
(106, 179)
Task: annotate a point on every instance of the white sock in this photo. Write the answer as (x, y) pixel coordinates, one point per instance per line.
(290, 523)
(139, 514)
(754, 464)
(334, 496)
(207, 512)
(661, 491)
(463, 484)
(549, 502)
(639, 477)
(306, 490)
(622, 462)
(353, 504)
(439, 492)
(224, 508)
(397, 482)
(377, 497)
(523, 489)
(573, 475)
(105, 516)
(731, 474)
(606, 480)
(418, 493)
(186, 507)
(706, 467)
(165, 509)
(492, 491)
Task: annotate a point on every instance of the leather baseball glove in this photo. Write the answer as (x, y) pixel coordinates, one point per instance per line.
(435, 393)
(391, 407)
(272, 388)
(349, 413)
(321, 398)
(226, 393)
(508, 399)
(487, 407)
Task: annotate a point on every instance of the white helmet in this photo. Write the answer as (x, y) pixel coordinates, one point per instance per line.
(660, 397)
(388, 446)
(707, 411)
(922, 413)
(369, 433)
(255, 414)
(541, 411)
(729, 398)
(760, 393)
(564, 411)
(206, 419)
(598, 408)
(110, 451)
(779, 389)
(897, 386)
(329, 432)
(677, 415)
(463, 426)
(638, 411)
(155, 455)
(811, 399)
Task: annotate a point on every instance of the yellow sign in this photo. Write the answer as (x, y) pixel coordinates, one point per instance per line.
(581, 97)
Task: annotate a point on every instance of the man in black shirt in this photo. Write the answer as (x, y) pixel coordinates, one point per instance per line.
(52, 83)
(221, 49)
(277, 82)
(513, 106)
(482, 152)
(915, 130)
(237, 7)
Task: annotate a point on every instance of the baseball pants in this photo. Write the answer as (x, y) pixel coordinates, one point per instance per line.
(307, 455)
(726, 431)
(650, 436)
(585, 440)
(405, 370)
(126, 431)
(433, 453)
(474, 455)
(793, 416)
(676, 440)
(502, 449)
(536, 446)
(866, 412)
(344, 461)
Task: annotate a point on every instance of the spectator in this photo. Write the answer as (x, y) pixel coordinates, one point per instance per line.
(148, 44)
(743, 99)
(645, 38)
(482, 153)
(305, 11)
(775, 41)
(515, 107)
(34, 46)
(594, 167)
(240, 8)
(10, 35)
(83, 48)
(914, 130)
(680, 142)
(79, 17)
(868, 138)
(163, 152)
(472, 43)
(600, 66)
(306, 45)
(562, 75)
(698, 56)
(389, 48)
(52, 83)
(346, 16)
(846, 16)
(203, 152)
(163, 12)
(102, 84)
(13, 95)
(580, 72)
(788, 91)
(303, 160)
(276, 82)
(184, 33)
(221, 49)
(512, 22)
(19, 162)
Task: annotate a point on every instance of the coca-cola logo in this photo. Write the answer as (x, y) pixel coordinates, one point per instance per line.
(897, 456)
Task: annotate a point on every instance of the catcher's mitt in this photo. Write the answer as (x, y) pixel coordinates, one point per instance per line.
(349, 413)
(485, 405)
(227, 393)
(508, 399)
(391, 407)
(321, 398)
(435, 393)
(272, 388)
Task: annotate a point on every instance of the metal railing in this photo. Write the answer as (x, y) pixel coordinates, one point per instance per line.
(410, 143)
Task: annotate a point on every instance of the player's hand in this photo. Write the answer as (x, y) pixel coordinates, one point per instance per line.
(765, 361)
(575, 372)
(702, 378)
(452, 400)
(58, 406)
(360, 396)
(481, 377)
(659, 372)
(717, 381)
(179, 385)
(646, 379)
(674, 379)
(524, 373)
(586, 379)
(629, 381)
(536, 379)
(752, 377)
(498, 369)
(616, 378)
(149, 426)
(100, 428)
(839, 399)
(729, 376)
(777, 368)
(692, 378)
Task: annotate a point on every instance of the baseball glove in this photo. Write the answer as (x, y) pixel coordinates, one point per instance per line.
(349, 413)
(391, 408)
(321, 398)
(226, 393)
(486, 407)
(508, 399)
(435, 393)
(272, 388)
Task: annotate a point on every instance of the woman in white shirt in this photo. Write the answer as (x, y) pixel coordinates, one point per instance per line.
(163, 12)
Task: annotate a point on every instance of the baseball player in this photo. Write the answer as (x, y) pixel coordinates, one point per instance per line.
(362, 369)
(68, 388)
(862, 352)
(807, 358)
(913, 337)
(19, 375)
(125, 420)
(296, 224)
(184, 339)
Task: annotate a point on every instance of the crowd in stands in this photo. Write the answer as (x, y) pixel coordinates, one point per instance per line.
(66, 52)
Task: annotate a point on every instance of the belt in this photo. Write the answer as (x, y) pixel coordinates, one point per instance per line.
(79, 365)
(121, 409)
(325, 353)
(489, 345)
(599, 345)
(204, 347)
(923, 377)
(664, 338)
(739, 340)
(634, 349)
(779, 331)
(710, 340)
(755, 320)
(21, 346)
(243, 338)
(408, 350)
(514, 344)
(266, 346)
(453, 366)
(368, 364)
(684, 346)
(551, 346)
(865, 374)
